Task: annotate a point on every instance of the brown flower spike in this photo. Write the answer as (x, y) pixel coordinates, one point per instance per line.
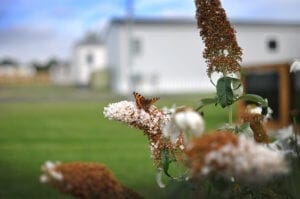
(85, 180)
(257, 125)
(222, 52)
(200, 147)
(226, 154)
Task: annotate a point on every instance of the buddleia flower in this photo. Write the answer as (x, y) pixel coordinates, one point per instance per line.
(85, 180)
(151, 122)
(232, 156)
(222, 52)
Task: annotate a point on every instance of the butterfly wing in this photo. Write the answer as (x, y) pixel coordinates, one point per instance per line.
(148, 102)
(138, 99)
(142, 102)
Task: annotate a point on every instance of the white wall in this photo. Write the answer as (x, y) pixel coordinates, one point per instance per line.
(82, 69)
(163, 59)
(172, 56)
(254, 39)
(118, 59)
(171, 60)
(61, 75)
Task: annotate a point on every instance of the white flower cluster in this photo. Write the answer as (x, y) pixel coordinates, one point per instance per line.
(187, 121)
(258, 110)
(285, 141)
(248, 161)
(128, 112)
(50, 174)
(295, 67)
(159, 178)
(191, 121)
(171, 131)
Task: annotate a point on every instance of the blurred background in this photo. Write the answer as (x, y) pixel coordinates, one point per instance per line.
(62, 61)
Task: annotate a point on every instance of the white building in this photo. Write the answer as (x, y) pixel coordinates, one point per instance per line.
(11, 70)
(89, 56)
(166, 54)
(61, 74)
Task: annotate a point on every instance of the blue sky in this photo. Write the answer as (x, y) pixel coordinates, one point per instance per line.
(39, 29)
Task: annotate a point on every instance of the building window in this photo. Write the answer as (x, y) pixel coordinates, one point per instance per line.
(272, 45)
(136, 46)
(90, 59)
(295, 78)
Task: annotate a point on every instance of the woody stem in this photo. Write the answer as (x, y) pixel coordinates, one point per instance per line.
(230, 114)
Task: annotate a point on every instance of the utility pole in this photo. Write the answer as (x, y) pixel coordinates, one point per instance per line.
(130, 18)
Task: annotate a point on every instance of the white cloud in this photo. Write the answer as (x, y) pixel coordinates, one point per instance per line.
(263, 10)
(176, 13)
(144, 4)
(40, 34)
(27, 43)
(46, 28)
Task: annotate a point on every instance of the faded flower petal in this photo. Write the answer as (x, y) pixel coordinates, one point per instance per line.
(159, 175)
(183, 121)
(235, 156)
(171, 131)
(44, 178)
(189, 121)
(295, 67)
(50, 173)
(285, 141)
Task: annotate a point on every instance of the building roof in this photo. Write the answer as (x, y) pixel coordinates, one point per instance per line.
(90, 39)
(8, 66)
(154, 21)
(190, 21)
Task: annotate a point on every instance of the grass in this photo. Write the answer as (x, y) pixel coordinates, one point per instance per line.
(34, 131)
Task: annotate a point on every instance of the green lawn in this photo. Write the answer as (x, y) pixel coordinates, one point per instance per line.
(33, 131)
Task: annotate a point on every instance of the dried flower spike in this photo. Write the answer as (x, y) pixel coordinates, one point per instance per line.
(85, 180)
(200, 147)
(256, 120)
(229, 155)
(222, 52)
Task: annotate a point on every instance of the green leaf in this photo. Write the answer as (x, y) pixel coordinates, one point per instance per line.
(256, 99)
(244, 126)
(224, 91)
(244, 129)
(236, 83)
(237, 87)
(165, 159)
(207, 101)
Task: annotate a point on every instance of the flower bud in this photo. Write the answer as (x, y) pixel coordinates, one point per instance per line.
(189, 120)
(295, 67)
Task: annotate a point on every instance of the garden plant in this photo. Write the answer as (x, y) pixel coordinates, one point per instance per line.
(239, 159)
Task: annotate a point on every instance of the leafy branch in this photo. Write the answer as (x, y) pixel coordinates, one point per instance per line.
(227, 95)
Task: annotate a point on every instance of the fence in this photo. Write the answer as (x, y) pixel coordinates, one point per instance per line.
(40, 78)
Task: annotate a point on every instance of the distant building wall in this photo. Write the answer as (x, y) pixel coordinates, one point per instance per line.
(169, 59)
(22, 74)
(167, 54)
(86, 60)
(267, 43)
(61, 75)
(117, 45)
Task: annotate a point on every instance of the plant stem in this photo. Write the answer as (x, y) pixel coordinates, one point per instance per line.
(230, 114)
(295, 134)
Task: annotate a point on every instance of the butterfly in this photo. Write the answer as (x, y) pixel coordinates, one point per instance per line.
(142, 102)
